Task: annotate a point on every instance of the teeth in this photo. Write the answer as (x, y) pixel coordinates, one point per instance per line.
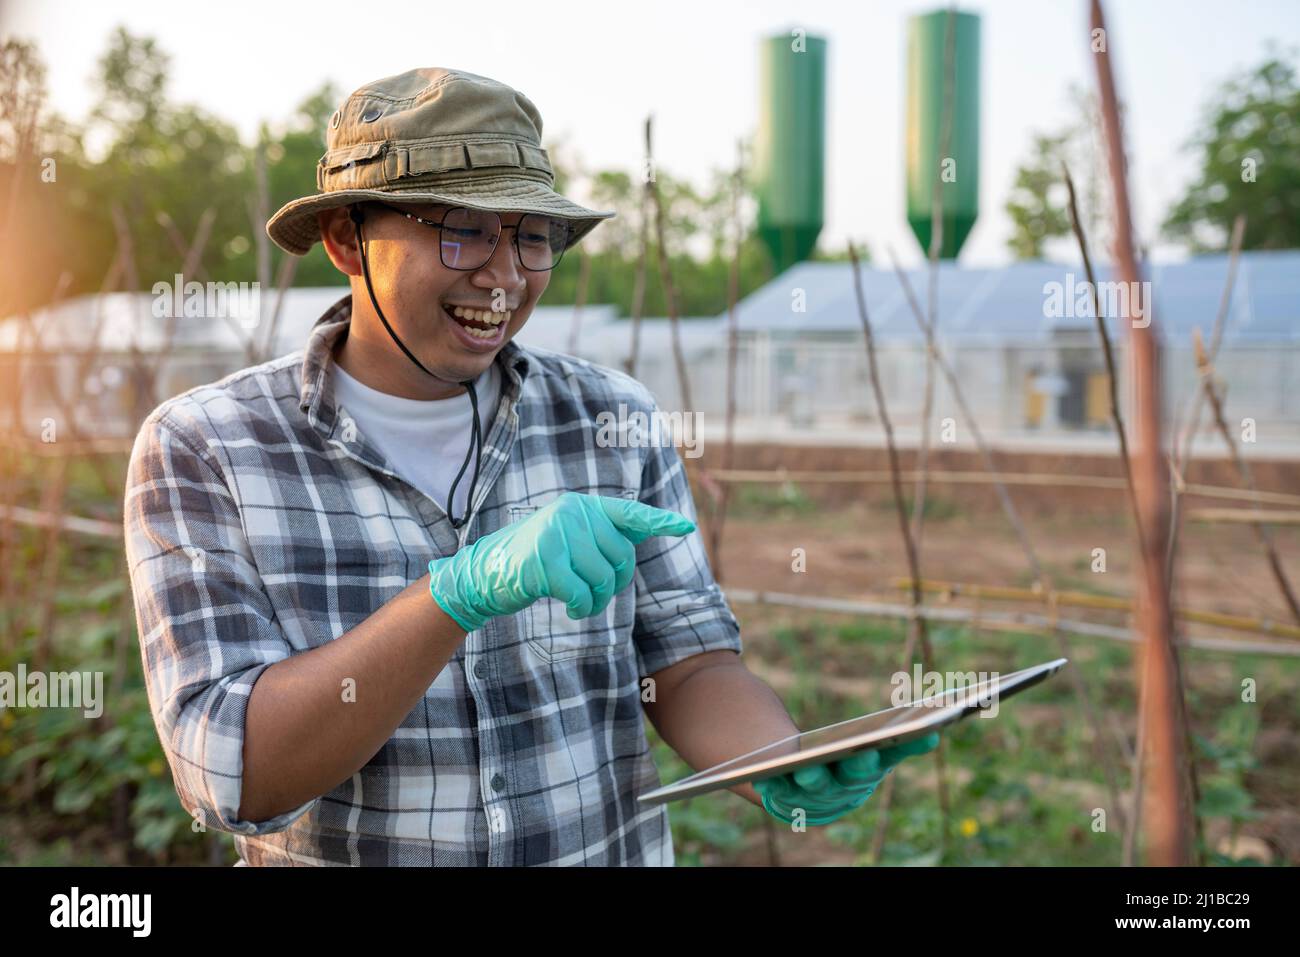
(482, 315)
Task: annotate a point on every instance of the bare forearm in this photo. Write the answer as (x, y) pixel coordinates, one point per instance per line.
(316, 718)
(720, 712)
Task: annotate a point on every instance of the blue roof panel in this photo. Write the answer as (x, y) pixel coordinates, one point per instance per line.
(1011, 303)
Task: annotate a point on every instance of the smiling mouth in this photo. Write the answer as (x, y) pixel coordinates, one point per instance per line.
(482, 323)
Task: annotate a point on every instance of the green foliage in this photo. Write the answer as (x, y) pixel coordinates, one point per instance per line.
(868, 631)
(1249, 147)
(291, 172)
(1249, 156)
(22, 96)
(786, 500)
(1223, 791)
(936, 508)
(152, 152)
(1038, 203)
(1022, 786)
(81, 765)
(697, 234)
(103, 780)
(709, 824)
(1035, 206)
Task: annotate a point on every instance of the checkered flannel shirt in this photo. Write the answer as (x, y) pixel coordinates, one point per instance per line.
(260, 523)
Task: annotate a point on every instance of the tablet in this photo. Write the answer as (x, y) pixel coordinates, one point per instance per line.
(880, 729)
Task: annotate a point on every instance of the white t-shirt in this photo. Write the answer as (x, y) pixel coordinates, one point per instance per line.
(424, 440)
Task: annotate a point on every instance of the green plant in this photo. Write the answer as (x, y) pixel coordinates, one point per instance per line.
(786, 500)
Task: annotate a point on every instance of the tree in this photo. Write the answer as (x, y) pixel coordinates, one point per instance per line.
(22, 100)
(1249, 147)
(152, 156)
(1038, 202)
(155, 156)
(22, 97)
(291, 172)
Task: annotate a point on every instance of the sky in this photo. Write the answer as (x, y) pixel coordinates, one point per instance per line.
(595, 69)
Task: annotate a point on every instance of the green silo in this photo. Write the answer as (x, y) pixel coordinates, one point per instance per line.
(790, 149)
(926, 42)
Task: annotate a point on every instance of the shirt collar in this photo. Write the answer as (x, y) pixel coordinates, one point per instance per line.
(317, 396)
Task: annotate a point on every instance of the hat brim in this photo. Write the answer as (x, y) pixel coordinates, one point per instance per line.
(295, 230)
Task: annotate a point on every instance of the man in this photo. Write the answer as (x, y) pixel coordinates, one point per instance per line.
(317, 694)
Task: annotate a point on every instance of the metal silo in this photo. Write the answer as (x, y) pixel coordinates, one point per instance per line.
(789, 152)
(926, 42)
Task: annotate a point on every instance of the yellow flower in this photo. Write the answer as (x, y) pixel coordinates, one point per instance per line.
(155, 766)
(969, 827)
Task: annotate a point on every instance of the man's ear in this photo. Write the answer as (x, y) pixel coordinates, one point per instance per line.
(339, 236)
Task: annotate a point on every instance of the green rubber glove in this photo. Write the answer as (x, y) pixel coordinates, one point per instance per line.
(579, 549)
(826, 792)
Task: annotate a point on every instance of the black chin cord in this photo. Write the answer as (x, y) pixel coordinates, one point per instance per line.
(476, 436)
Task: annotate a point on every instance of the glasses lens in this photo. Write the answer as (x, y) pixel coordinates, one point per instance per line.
(468, 237)
(542, 240)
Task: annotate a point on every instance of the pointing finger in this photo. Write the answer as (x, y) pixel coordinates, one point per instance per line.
(638, 521)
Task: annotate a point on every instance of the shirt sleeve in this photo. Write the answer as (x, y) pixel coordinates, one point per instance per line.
(206, 627)
(680, 610)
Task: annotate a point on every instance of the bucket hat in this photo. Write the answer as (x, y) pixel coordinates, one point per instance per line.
(433, 135)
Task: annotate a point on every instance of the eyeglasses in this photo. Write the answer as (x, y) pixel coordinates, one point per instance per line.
(468, 237)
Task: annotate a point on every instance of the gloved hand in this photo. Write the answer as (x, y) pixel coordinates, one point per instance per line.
(827, 792)
(579, 549)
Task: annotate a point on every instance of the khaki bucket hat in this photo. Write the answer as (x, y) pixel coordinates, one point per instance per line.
(432, 135)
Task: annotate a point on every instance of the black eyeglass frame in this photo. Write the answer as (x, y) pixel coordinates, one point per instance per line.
(500, 227)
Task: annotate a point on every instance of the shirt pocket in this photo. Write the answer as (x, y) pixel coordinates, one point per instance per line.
(554, 636)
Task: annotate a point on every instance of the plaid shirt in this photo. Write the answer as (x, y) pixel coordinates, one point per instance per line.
(260, 523)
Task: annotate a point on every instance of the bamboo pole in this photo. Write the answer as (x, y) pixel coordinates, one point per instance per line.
(579, 300)
(200, 274)
(76, 447)
(985, 452)
(1182, 444)
(1206, 371)
(1233, 516)
(1042, 581)
(638, 288)
(54, 501)
(131, 282)
(1112, 378)
(284, 279)
(723, 498)
(69, 406)
(1104, 602)
(1014, 621)
(1050, 480)
(189, 262)
(259, 211)
(917, 630)
(666, 279)
(36, 518)
(1165, 811)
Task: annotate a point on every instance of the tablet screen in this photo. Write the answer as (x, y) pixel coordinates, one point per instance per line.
(876, 730)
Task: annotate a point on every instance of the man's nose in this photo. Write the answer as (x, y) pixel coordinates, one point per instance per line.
(504, 264)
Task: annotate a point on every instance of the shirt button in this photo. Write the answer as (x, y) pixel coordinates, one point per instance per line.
(498, 782)
(480, 669)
